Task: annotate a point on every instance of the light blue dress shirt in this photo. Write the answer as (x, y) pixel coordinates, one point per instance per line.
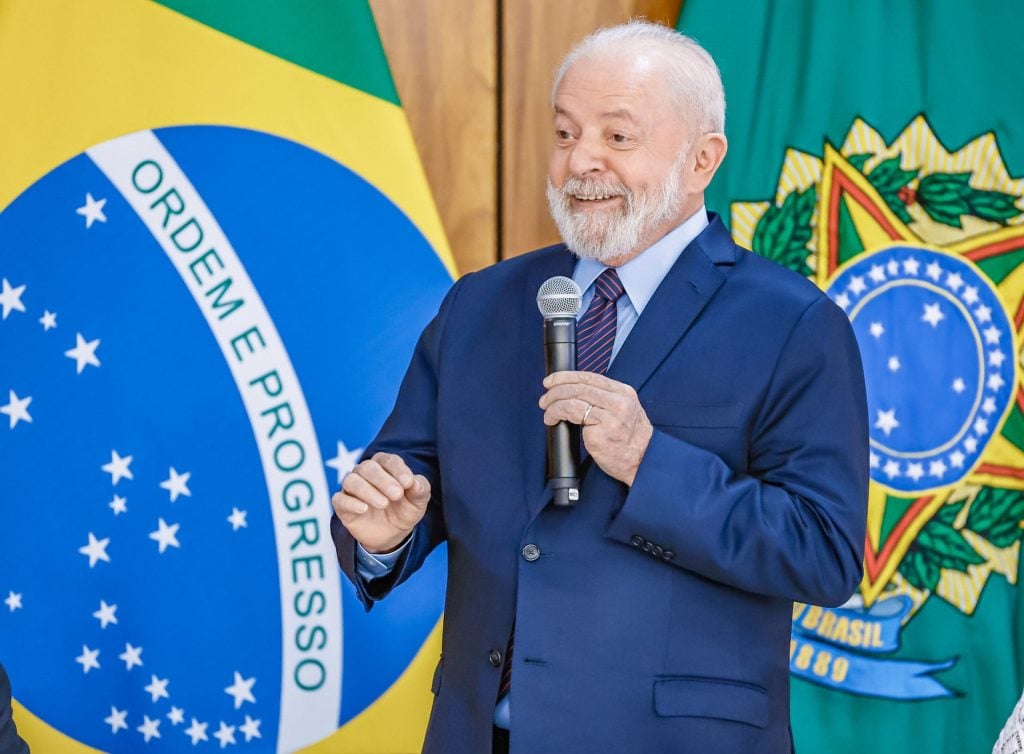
(640, 278)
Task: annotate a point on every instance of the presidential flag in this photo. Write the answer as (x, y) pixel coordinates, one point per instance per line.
(878, 149)
(217, 248)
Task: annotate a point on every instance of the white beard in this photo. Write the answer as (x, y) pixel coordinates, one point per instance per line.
(610, 233)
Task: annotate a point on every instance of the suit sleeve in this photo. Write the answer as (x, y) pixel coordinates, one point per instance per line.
(410, 432)
(792, 524)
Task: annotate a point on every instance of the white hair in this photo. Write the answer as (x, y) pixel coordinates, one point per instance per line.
(693, 79)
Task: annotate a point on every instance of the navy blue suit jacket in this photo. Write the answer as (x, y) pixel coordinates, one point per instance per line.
(657, 617)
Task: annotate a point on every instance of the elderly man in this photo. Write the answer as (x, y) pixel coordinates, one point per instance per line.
(725, 435)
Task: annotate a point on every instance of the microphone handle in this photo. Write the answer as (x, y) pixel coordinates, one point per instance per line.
(564, 437)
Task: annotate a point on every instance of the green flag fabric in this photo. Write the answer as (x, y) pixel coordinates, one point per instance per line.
(877, 148)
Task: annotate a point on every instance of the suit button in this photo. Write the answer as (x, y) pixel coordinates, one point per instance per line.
(494, 657)
(531, 553)
(636, 540)
(648, 546)
(657, 551)
(668, 555)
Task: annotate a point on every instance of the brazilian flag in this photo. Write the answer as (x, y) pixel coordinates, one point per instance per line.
(217, 248)
(878, 149)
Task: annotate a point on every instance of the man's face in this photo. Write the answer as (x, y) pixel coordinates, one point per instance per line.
(615, 179)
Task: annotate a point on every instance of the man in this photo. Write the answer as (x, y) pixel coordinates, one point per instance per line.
(10, 741)
(724, 421)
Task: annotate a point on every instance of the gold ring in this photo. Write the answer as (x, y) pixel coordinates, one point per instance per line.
(590, 407)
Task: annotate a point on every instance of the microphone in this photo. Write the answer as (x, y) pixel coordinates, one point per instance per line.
(559, 300)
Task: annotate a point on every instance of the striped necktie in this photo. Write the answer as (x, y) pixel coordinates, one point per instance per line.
(595, 339)
(595, 334)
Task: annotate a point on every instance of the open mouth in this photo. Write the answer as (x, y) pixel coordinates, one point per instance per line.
(595, 199)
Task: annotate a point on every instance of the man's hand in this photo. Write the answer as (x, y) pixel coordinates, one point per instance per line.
(615, 427)
(381, 501)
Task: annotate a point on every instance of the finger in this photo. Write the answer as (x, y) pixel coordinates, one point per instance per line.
(589, 393)
(356, 486)
(395, 466)
(347, 506)
(380, 478)
(584, 378)
(419, 492)
(570, 410)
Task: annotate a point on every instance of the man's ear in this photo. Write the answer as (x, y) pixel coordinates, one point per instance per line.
(708, 153)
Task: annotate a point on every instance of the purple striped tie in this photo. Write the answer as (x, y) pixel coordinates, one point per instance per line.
(595, 340)
(595, 334)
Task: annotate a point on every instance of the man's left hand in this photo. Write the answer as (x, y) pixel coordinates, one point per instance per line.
(615, 426)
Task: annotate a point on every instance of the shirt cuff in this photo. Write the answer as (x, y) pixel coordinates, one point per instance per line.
(374, 566)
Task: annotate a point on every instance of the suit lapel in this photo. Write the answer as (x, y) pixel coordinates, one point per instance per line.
(677, 302)
(531, 346)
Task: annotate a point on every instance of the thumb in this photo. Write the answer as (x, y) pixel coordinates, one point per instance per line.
(419, 493)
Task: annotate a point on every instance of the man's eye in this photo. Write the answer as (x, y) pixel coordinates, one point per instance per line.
(563, 135)
(619, 138)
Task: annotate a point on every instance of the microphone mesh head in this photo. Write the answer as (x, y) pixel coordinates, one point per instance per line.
(559, 297)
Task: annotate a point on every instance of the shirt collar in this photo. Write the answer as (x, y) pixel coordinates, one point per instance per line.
(642, 275)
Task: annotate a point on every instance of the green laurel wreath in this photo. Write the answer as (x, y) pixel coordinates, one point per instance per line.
(945, 197)
(995, 515)
(783, 231)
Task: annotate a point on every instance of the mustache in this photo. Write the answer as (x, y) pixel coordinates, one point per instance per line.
(577, 186)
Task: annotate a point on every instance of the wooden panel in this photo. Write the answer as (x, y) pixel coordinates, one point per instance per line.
(536, 35)
(443, 57)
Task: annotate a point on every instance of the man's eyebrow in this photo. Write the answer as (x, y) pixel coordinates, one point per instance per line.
(622, 113)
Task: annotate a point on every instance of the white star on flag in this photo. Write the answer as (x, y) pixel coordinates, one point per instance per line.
(84, 353)
(877, 329)
(957, 459)
(857, 285)
(936, 468)
(197, 731)
(344, 461)
(988, 405)
(89, 659)
(105, 614)
(48, 320)
(992, 335)
(958, 385)
(873, 460)
(877, 273)
(894, 364)
(995, 382)
(996, 358)
(887, 421)
(954, 281)
(237, 519)
(92, 211)
(10, 298)
(915, 471)
(119, 505)
(910, 266)
(157, 688)
(177, 484)
(842, 301)
(13, 600)
(892, 469)
(166, 536)
(893, 267)
(149, 728)
(971, 444)
(933, 314)
(251, 729)
(981, 426)
(934, 271)
(132, 656)
(176, 715)
(225, 734)
(116, 719)
(241, 690)
(17, 409)
(983, 313)
(96, 549)
(118, 467)
(970, 295)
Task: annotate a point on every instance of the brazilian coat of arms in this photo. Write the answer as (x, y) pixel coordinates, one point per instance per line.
(922, 247)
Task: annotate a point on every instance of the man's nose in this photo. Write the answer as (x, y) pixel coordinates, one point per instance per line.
(587, 157)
